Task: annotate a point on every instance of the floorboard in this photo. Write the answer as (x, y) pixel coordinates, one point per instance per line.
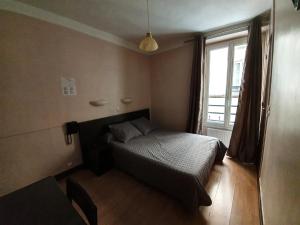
(121, 200)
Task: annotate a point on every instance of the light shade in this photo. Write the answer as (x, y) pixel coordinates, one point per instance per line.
(148, 44)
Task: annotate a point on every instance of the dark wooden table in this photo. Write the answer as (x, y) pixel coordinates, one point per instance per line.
(41, 203)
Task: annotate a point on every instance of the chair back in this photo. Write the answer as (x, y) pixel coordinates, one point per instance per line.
(76, 193)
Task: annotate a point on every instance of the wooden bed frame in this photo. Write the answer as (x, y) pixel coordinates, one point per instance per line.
(96, 153)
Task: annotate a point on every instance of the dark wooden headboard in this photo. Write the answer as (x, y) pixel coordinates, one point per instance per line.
(90, 132)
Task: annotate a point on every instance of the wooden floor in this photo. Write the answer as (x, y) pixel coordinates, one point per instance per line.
(121, 200)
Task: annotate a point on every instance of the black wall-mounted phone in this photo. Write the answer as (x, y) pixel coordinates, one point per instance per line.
(71, 128)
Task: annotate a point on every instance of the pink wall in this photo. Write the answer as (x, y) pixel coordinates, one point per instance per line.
(170, 81)
(34, 56)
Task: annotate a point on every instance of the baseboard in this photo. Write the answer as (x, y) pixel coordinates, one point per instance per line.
(261, 215)
(67, 173)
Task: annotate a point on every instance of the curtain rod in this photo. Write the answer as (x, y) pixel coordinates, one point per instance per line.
(228, 30)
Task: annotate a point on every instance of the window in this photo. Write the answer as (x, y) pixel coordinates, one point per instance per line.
(224, 70)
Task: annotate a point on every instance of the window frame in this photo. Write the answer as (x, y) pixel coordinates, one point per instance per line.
(228, 93)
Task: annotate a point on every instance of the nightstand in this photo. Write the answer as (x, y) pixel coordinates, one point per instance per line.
(100, 159)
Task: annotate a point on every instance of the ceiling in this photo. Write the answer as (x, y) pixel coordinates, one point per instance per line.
(171, 20)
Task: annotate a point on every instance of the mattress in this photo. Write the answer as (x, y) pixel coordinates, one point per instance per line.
(177, 163)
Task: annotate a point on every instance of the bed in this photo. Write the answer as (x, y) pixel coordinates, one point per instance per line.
(176, 163)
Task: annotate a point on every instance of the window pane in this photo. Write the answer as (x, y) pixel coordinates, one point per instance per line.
(216, 101)
(238, 67)
(215, 117)
(218, 71)
(234, 101)
(233, 110)
(218, 59)
(215, 109)
(232, 119)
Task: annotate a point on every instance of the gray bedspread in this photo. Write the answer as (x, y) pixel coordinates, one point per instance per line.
(176, 163)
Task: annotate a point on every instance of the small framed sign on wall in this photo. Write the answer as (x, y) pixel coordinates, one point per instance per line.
(68, 86)
(296, 4)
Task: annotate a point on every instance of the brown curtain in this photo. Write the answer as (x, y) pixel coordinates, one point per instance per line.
(245, 134)
(194, 123)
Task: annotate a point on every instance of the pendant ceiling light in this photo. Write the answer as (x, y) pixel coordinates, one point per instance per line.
(148, 44)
